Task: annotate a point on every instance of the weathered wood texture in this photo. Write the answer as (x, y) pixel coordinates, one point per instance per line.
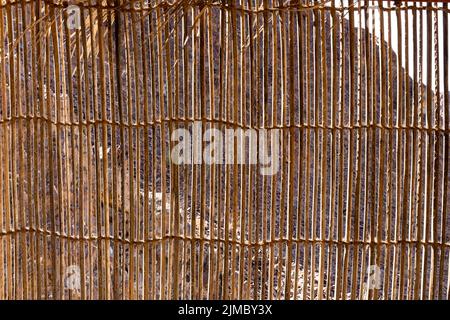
(86, 179)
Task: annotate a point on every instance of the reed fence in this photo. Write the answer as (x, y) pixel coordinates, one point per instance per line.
(87, 185)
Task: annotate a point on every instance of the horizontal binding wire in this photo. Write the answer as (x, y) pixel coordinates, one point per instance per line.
(207, 120)
(230, 6)
(225, 241)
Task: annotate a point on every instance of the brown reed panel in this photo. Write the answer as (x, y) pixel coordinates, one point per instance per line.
(87, 182)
